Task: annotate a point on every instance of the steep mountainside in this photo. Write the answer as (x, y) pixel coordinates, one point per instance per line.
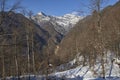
(20, 36)
(62, 24)
(13, 22)
(84, 37)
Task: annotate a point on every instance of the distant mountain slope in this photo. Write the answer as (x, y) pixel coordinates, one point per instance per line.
(62, 24)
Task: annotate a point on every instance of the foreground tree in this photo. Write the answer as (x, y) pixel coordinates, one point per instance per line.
(96, 5)
(4, 14)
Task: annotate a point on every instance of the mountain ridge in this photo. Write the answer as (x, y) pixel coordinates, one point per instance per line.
(62, 24)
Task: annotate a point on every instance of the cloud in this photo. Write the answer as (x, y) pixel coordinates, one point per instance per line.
(75, 13)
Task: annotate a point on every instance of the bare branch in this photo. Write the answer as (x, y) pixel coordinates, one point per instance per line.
(3, 5)
(16, 6)
(97, 4)
(24, 11)
(30, 13)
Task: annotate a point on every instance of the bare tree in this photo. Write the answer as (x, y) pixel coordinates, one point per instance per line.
(3, 9)
(48, 60)
(95, 43)
(33, 53)
(30, 14)
(3, 61)
(28, 49)
(16, 54)
(4, 12)
(3, 5)
(3, 51)
(16, 6)
(24, 11)
(96, 5)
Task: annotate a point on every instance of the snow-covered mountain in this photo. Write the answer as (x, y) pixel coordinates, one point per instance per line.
(62, 24)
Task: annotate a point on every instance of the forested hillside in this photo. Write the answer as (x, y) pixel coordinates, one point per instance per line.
(24, 45)
(85, 38)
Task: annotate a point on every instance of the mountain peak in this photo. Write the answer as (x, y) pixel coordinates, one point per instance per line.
(41, 13)
(62, 23)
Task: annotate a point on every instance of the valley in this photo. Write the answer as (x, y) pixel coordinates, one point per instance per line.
(66, 47)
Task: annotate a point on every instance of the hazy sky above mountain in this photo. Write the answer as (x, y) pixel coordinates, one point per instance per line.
(55, 7)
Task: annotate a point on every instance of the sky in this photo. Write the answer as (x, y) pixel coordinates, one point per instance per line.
(55, 7)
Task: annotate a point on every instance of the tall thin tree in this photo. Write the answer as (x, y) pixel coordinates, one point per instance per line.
(96, 5)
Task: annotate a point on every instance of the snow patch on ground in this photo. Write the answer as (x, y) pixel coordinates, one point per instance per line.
(112, 70)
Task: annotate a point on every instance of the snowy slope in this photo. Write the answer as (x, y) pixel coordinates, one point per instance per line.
(85, 73)
(41, 17)
(112, 70)
(68, 20)
(62, 24)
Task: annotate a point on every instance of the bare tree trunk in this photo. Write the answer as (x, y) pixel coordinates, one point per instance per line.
(100, 37)
(89, 61)
(48, 62)
(16, 58)
(103, 67)
(3, 60)
(16, 65)
(3, 63)
(3, 70)
(77, 52)
(28, 52)
(33, 54)
(3, 4)
(76, 46)
(84, 61)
